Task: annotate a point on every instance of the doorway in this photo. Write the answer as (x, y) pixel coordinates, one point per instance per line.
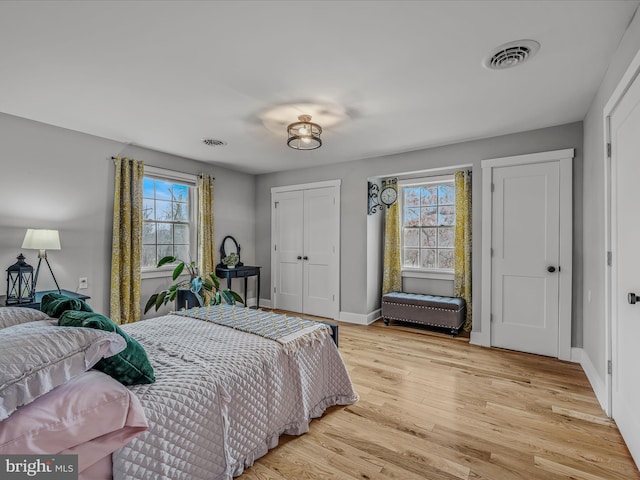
(527, 253)
(624, 150)
(305, 233)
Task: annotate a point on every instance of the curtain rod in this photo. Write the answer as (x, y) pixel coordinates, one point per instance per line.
(169, 170)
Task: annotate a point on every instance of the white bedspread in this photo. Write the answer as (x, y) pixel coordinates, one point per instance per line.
(223, 397)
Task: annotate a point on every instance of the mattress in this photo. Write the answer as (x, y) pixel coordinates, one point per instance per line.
(223, 397)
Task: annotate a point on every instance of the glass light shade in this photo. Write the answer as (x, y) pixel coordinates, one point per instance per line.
(304, 134)
(39, 239)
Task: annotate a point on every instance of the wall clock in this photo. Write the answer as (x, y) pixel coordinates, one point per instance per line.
(385, 197)
(388, 196)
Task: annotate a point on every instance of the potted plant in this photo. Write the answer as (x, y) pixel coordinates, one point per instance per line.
(231, 260)
(206, 289)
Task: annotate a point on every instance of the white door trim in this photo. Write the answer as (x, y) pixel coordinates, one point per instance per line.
(336, 258)
(565, 159)
(605, 398)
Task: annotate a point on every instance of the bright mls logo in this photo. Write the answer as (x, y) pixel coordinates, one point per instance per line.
(50, 467)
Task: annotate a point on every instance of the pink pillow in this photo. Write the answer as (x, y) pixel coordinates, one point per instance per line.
(92, 415)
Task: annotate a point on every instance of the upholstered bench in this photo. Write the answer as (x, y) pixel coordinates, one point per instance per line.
(430, 310)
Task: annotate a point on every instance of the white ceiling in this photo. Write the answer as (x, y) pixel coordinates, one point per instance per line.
(407, 74)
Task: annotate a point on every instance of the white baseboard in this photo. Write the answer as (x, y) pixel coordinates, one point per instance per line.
(576, 355)
(477, 338)
(597, 383)
(360, 318)
(264, 302)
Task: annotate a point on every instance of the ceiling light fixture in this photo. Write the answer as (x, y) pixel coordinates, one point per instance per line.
(304, 134)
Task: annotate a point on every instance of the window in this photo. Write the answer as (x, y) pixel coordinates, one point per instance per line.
(168, 216)
(428, 224)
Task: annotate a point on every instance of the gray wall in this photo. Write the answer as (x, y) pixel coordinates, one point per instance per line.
(356, 274)
(62, 179)
(594, 215)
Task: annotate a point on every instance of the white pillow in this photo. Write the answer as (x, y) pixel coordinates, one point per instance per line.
(10, 316)
(38, 356)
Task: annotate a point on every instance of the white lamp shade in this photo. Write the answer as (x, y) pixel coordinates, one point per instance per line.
(38, 239)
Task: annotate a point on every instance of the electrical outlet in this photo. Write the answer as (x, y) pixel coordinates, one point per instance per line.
(83, 283)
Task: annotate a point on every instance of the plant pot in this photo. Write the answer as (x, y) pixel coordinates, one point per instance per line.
(186, 299)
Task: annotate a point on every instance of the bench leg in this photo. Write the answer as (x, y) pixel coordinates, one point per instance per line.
(386, 321)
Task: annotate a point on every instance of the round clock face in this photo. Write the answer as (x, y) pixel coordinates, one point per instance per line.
(388, 195)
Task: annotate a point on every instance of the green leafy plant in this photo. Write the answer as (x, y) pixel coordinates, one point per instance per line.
(231, 260)
(205, 288)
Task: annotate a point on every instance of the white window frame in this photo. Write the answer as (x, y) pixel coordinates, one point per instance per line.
(431, 273)
(185, 179)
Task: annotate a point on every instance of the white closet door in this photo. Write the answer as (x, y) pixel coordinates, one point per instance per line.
(526, 243)
(625, 156)
(319, 250)
(288, 216)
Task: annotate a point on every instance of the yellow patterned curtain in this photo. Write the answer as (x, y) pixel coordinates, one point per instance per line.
(392, 275)
(127, 241)
(206, 251)
(462, 263)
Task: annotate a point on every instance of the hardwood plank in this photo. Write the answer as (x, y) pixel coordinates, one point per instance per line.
(434, 407)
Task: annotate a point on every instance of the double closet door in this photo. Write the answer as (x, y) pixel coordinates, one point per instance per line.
(305, 249)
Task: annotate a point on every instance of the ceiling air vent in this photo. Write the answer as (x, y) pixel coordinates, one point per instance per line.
(212, 142)
(511, 54)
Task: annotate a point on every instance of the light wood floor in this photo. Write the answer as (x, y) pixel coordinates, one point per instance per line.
(433, 407)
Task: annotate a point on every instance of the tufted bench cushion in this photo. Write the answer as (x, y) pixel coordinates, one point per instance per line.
(431, 310)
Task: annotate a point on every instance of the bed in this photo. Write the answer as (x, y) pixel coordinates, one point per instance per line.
(222, 396)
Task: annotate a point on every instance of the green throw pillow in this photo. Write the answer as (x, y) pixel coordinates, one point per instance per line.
(54, 304)
(129, 367)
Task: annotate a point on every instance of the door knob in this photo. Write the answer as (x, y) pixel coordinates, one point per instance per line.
(305, 258)
(299, 257)
(632, 298)
(551, 269)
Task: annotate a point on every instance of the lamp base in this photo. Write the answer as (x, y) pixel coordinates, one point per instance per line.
(35, 280)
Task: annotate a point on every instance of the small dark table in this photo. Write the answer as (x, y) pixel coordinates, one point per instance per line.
(36, 303)
(245, 272)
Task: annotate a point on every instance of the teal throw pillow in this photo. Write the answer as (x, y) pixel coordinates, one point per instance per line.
(55, 304)
(129, 367)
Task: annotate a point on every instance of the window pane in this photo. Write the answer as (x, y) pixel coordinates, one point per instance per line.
(411, 237)
(148, 256)
(165, 234)
(429, 195)
(149, 234)
(181, 234)
(429, 216)
(445, 259)
(148, 211)
(428, 238)
(447, 215)
(163, 211)
(412, 217)
(147, 187)
(412, 196)
(447, 194)
(446, 237)
(180, 192)
(164, 251)
(180, 212)
(163, 190)
(182, 252)
(429, 258)
(411, 257)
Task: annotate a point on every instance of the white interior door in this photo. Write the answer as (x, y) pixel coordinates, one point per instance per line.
(625, 161)
(288, 246)
(306, 235)
(319, 250)
(525, 263)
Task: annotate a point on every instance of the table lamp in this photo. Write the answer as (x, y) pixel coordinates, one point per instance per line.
(43, 240)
